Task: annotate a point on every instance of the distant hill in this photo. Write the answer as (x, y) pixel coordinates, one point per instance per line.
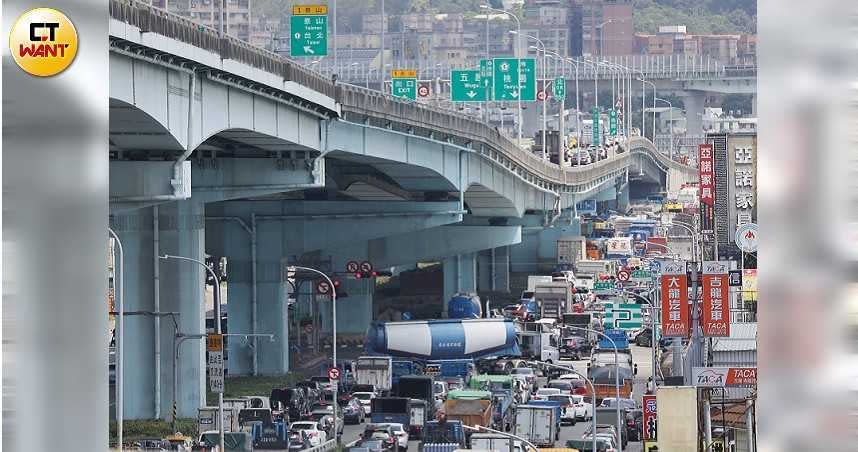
(700, 16)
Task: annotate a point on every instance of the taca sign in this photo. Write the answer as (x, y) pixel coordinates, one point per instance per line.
(719, 377)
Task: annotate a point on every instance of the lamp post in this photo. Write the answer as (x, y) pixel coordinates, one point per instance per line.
(670, 127)
(616, 381)
(120, 342)
(601, 28)
(292, 268)
(544, 92)
(217, 330)
(518, 48)
(592, 388)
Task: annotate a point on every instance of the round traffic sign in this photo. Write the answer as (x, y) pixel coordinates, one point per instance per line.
(322, 287)
(623, 275)
(334, 373)
(423, 91)
(352, 266)
(747, 237)
(540, 95)
(365, 266)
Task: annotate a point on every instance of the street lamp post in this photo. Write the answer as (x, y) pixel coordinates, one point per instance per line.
(217, 330)
(670, 127)
(695, 346)
(518, 48)
(544, 92)
(592, 401)
(335, 386)
(616, 380)
(120, 342)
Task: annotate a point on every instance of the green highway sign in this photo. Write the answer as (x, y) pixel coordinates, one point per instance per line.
(641, 276)
(505, 79)
(623, 316)
(467, 86)
(405, 87)
(309, 36)
(603, 287)
(596, 133)
(508, 86)
(487, 69)
(612, 116)
(528, 71)
(560, 87)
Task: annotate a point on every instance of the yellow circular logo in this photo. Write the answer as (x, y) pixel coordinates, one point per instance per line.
(43, 42)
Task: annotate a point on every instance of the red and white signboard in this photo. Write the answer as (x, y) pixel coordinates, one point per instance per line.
(706, 174)
(674, 302)
(334, 373)
(716, 299)
(623, 275)
(650, 418)
(719, 377)
(540, 95)
(423, 90)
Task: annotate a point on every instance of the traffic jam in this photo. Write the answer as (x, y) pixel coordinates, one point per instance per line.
(577, 363)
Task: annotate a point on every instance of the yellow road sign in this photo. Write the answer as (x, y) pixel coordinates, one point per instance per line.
(215, 342)
(309, 10)
(404, 73)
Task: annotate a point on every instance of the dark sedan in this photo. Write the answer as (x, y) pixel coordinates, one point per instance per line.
(353, 412)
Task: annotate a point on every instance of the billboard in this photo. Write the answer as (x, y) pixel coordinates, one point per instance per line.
(621, 246)
(674, 301)
(706, 174)
(719, 377)
(741, 182)
(716, 299)
(650, 418)
(677, 420)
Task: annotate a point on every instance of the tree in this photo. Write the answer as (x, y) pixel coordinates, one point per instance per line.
(736, 103)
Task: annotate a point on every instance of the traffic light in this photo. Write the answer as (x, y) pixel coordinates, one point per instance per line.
(371, 274)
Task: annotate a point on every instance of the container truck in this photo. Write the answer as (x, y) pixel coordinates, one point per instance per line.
(539, 343)
(494, 442)
(464, 306)
(443, 339)
(594, 267)
(470, 406)
(554, 298)
(375, 371)
(437, 433)
(391, 410)
(537, 424)
(400, 367)
(418, 387)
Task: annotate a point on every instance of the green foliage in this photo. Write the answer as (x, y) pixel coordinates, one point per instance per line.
(737, 102)
(700, 16)
(137, 429)
(250, 386)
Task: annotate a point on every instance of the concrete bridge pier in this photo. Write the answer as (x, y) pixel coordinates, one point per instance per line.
(493, 270)
(181, 233)
(694, 104)
(537, 251)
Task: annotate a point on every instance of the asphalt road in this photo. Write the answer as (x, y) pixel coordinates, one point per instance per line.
(640, 355)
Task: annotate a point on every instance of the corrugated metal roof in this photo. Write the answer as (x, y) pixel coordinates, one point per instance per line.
(743, 336)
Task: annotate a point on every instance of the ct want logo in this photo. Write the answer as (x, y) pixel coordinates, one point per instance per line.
(43, 42)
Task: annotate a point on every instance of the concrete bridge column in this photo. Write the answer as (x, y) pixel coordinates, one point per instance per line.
(694, 104)
(459, 275)
(493, 270)
(181, 233)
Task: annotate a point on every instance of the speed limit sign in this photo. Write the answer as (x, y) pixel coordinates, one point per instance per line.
(322, 287)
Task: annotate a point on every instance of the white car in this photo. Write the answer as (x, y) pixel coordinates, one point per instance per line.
(570, 377)
(365, 399)
(545, 393)
(401, 435)
(524, 373)
(314, 431)
(583, 408)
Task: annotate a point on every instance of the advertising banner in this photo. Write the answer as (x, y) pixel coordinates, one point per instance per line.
(716, 299)
(674, 304)
(706, 174)
(621, 246)
(719, 377)
(650, 418)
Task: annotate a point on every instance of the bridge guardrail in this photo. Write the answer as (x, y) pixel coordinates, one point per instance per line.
(156, 20)
(362, 101)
